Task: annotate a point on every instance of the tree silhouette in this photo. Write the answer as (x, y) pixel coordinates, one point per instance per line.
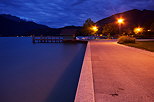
(152, 27)
(86, 27)
(110, 29)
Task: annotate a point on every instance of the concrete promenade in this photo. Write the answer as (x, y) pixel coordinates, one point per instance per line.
(85, 90)
(120, 74)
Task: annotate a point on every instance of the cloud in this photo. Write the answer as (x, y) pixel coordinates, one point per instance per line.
(58, 13)
(78, 2)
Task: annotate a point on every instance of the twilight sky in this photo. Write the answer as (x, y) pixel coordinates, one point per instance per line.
(59, 13)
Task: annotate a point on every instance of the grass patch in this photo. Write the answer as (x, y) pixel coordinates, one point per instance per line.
(146, 45)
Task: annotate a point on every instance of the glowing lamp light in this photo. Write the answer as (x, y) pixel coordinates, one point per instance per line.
(94, 28)
(120, 21)
(149, 30)
(138, 30)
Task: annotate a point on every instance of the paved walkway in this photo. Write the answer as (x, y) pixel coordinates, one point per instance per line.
(121, 74)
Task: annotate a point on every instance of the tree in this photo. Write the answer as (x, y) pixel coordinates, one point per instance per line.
(110, 29)
(128, 31)
(88, 23)
(86, 30)
(152, 27)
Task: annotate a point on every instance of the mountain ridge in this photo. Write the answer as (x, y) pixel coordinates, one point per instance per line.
(13, 26)
(132, 18)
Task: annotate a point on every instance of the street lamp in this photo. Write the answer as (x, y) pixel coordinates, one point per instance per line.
(120, 21)
(149, 30)
(138, 30)
(94, 28)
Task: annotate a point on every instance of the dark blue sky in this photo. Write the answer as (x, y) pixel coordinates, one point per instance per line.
(59, 13)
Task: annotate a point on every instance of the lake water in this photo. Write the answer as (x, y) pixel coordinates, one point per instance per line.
(41, 72)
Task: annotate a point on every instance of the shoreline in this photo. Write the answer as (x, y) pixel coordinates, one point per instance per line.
(85, 89)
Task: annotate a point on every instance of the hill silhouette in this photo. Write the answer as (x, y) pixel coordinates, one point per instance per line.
(132, 18)
(54, 31)
(13, 26)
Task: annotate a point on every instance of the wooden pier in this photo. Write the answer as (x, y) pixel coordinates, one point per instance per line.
(47, 39)
(56, 39)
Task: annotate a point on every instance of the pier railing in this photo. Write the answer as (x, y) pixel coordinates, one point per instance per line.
(51, 39)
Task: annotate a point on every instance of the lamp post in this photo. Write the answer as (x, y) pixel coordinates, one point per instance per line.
(94, 29)
(120, 21)
(138, 30)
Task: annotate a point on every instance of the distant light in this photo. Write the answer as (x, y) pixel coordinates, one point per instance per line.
(149, 30)
(138, 30)
(94, 28)
(101, 35)
(120, 21)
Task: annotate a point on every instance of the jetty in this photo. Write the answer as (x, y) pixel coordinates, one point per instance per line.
(53, 39)
(65, 35)
(47, 39)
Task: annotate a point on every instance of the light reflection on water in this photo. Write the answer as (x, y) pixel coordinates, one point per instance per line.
(39, 72)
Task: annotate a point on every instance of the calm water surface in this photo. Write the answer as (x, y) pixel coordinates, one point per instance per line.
(39, 72)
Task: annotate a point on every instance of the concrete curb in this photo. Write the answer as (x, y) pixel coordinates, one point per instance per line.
(85, 90)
